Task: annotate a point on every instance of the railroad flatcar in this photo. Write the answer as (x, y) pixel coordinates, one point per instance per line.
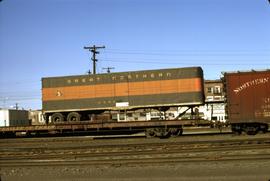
(77, 98)
(248, 100)
(127, 102)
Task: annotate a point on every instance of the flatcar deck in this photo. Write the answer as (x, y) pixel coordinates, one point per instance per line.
(98, 127)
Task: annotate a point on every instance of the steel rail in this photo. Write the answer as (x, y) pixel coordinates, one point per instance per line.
(132, 153)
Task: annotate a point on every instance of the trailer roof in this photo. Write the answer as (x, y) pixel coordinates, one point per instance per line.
(112, 73)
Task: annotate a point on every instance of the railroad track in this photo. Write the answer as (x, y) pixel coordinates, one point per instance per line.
(128, 152)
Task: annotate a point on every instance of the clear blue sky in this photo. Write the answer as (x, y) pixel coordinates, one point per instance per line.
(46, 38)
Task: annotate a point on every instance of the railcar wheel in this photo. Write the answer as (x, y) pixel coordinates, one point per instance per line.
(237, 132)
(176, 132)
(57, 118)
(251, 129)
(236, 129)
(263, 128)
(251, 132)
(162, 132)
(73, 116)
(150, 133)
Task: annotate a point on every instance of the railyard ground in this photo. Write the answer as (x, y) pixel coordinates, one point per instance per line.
(255, 170)
(224, 164)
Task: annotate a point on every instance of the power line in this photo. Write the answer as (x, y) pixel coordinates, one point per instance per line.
(190, 50)
(191, 62)
(192, 53)
(21, 99)
(20, 82)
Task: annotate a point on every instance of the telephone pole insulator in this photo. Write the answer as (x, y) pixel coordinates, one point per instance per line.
(108, 69)
(93, 49)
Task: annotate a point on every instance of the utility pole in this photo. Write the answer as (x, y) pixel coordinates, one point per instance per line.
(16, 106)
(108, 69)
(93, 49)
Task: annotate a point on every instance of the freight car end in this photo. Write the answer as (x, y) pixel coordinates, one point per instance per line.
(248, 101)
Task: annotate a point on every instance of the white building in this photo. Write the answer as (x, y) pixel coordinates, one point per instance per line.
(214, 109)
(10, 117)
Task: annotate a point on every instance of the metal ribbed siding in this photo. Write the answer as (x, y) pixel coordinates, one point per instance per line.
(182, 86)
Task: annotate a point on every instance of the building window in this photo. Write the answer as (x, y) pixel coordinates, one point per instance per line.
(209, 90)
(209, 98)
(217, 90)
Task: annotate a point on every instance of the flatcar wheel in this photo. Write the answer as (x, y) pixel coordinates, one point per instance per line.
(73, 116)
(150, 133)
(57, 118)
(176, 132)
(162, 132)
